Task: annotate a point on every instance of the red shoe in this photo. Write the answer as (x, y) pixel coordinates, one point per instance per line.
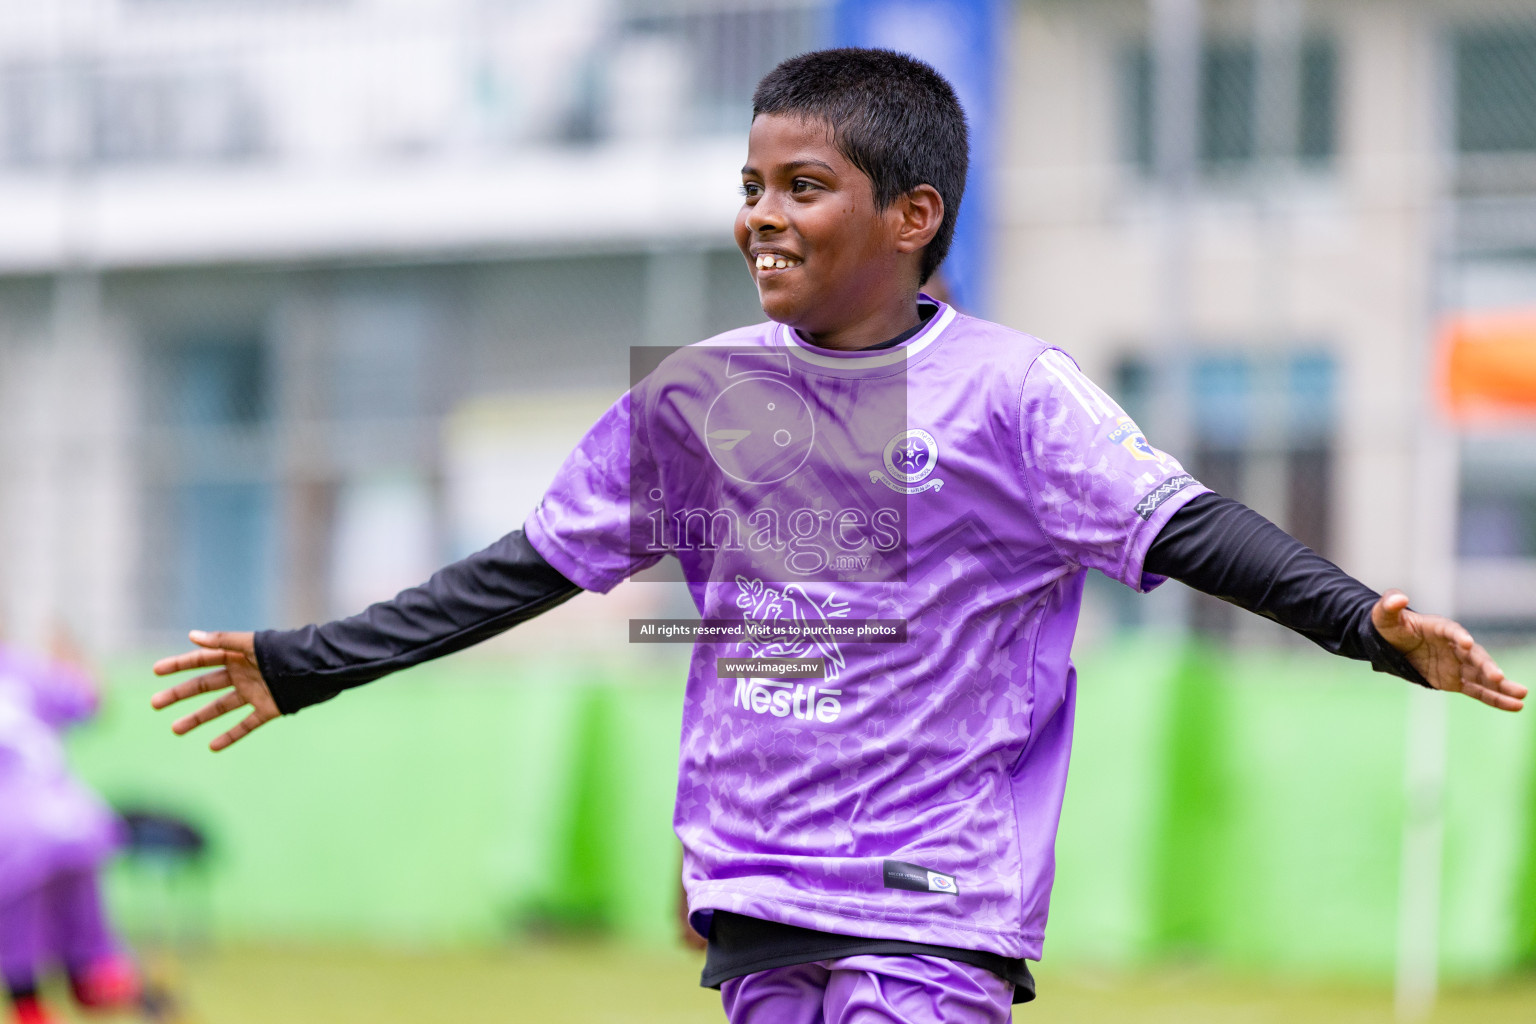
(111, 983)
(31, 1011)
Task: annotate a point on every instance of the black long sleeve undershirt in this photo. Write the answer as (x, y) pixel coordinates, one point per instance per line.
(469, 601)
(1212, 544)
(1226, 549)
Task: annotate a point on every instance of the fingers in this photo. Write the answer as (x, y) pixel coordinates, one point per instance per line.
(191, 659)
(221, 641)
(1494, 698)
(1481, 677)
(207, 713)
(218, 648)
(1476, 665)
(1457, 634)
(191, 688)
(1486, 682)
(1453, 634)
(249, 724)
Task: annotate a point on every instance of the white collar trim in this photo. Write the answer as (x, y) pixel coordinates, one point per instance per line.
(870, 360)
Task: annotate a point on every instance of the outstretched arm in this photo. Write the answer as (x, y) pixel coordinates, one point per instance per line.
(1223, 548)
(279, 672)
(469, 601)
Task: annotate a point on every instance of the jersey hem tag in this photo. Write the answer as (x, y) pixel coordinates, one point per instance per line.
(916, 878)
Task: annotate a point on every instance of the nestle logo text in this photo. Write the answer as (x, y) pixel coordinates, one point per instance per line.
(809, 704)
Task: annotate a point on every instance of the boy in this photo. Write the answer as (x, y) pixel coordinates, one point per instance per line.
(874, 840)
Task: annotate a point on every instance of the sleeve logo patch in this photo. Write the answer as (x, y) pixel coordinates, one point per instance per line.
(1127, 435)
(1165, 490)
(916, 878)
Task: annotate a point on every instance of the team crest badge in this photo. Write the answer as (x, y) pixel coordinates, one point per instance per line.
(910, 459)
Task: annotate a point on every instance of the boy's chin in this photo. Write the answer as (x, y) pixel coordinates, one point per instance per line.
(781, 308)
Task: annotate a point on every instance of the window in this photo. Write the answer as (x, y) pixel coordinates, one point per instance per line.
(1496, 91)
(1228, 128)
(52, 113)
(1498, 498)
(691, 66)
(1496, 534)
(216, 384)
(143, 115)
(213, 524)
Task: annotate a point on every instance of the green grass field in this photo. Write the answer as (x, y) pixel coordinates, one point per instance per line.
(596, 983)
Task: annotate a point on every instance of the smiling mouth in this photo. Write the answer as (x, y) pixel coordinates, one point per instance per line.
(775, 261)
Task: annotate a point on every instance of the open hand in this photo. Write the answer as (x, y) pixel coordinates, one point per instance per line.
(1445, 653)
(235, 656)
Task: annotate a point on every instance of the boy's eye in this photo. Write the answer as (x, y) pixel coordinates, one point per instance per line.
(802, 185)
(751, 189)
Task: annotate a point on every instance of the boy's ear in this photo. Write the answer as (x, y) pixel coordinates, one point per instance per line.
(921, 212)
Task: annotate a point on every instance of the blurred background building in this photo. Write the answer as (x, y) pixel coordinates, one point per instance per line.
(1279, 263)
(301, 298)
(271, 275)
(256, 257)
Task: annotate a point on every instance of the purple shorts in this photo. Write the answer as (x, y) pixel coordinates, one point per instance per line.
(870, 990)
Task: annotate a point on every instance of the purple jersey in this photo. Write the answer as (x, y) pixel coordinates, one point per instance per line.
(961, 482)
(48, 822)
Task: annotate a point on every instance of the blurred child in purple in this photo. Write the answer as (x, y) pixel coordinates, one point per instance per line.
(54, 835)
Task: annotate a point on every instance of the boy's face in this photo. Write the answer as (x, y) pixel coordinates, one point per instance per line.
(823, 256)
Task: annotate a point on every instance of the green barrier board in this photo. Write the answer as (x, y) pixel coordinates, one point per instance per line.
(1248, 808)
(1240, 807)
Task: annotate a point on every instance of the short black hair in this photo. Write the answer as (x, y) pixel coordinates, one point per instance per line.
(894, 117)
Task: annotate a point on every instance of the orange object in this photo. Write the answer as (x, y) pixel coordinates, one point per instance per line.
(1488, 364)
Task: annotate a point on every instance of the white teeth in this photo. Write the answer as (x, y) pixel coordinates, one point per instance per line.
(771, 261)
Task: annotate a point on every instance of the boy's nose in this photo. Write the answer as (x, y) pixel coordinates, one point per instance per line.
(766, 216)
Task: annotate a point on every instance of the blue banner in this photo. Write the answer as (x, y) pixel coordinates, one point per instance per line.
(962, 39)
